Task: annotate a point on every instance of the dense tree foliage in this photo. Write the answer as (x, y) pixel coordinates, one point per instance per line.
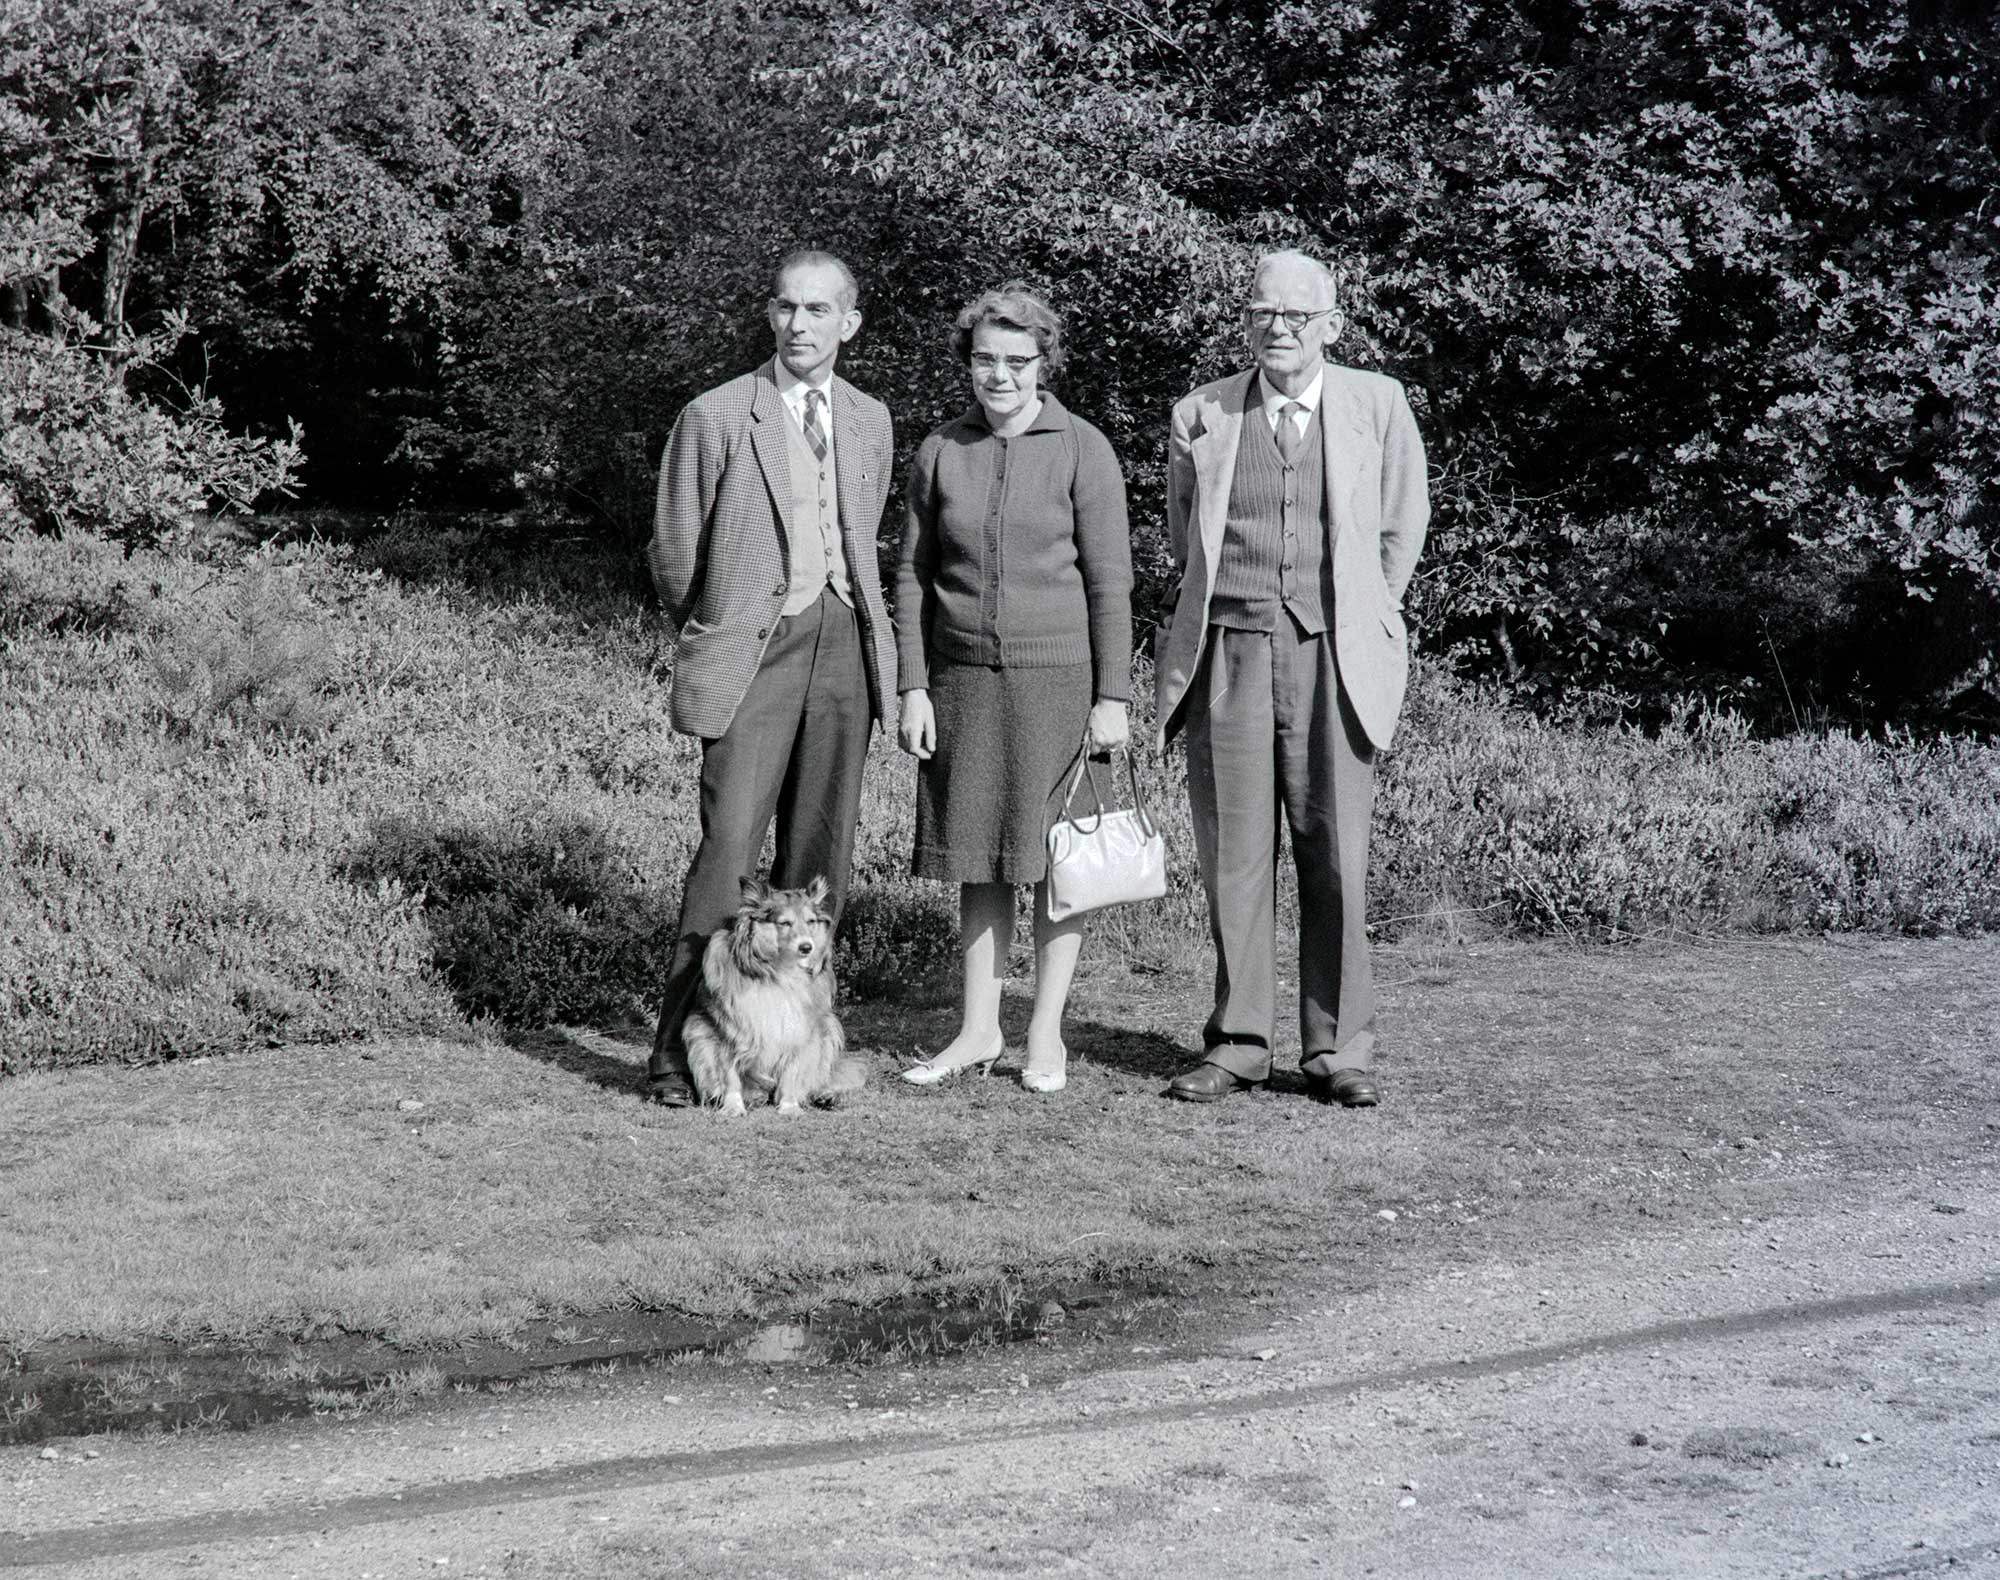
(1702, 296)
(1699, 299)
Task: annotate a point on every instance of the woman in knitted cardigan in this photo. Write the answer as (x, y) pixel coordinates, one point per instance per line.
(1014, 644)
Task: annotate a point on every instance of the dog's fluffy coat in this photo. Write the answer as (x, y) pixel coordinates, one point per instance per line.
(763, 1012)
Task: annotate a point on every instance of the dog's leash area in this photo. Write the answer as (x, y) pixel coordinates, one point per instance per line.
(78, 1543)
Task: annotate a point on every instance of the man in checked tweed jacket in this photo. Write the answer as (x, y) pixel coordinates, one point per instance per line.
(763, 551)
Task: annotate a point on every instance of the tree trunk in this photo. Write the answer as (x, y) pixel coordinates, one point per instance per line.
(1504, 640)
(121, 251)
(131, 191)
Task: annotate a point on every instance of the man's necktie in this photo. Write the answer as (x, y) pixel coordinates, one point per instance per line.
(1287, 432)
(815, 434)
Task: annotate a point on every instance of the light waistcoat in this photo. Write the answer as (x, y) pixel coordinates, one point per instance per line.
(812, 521)
(1273, 544)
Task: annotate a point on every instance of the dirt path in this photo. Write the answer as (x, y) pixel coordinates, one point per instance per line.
(1816, 1393)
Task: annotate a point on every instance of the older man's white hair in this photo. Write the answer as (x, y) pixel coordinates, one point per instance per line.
(1290, 262)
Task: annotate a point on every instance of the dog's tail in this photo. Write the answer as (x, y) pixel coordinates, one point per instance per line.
(847, 1076)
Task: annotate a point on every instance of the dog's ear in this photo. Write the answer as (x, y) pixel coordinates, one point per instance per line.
(752, 890)
(816, 891)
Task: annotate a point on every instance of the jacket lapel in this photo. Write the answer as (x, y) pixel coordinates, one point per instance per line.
(851, 481)
(1214, 455)
(767, 439)
(1342, 435)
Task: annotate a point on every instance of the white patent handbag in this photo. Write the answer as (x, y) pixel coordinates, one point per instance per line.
(1104, 857)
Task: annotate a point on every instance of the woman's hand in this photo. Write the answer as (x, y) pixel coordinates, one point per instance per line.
(1108, 728)
(916, 730)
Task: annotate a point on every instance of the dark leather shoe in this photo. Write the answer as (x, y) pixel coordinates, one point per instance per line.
(1208, 1083)
(1349, 1088)
(672, 1090)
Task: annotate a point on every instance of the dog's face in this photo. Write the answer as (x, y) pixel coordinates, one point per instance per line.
(785, 929)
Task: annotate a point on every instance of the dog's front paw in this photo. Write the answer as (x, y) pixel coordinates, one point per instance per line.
(733, 1104)
(790, 1106)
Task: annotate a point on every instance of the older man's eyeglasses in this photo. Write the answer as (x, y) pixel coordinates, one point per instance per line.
(987, 362)
(1295, 318)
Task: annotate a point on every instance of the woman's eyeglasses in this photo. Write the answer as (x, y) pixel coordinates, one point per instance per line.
(987, 362)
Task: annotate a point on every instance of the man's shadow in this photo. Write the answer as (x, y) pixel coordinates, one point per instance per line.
(615, 1061)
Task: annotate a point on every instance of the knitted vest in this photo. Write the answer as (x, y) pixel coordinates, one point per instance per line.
(1274, 542)
(812, 525)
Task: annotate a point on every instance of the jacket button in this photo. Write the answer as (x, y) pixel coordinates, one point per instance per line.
(779, 590)
(762, 632)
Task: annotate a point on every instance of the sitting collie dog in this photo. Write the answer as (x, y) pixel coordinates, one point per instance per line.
(763, 1013)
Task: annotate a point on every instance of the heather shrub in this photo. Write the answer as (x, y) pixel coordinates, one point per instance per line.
(537, 921)
(899, 941)
(1868, 836)
(68, 586)
(256, 658)
(1608, 831)
(158, 904)
(490, 817)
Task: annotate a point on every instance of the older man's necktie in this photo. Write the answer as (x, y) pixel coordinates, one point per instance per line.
(815, 434)
(1288, 434)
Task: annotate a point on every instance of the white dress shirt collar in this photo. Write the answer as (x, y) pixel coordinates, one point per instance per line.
(1273, 401)
(792, 389)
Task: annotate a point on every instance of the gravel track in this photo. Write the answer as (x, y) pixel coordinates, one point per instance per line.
(1813, 1393)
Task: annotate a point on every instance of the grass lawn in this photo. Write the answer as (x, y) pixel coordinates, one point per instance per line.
(435, 1193)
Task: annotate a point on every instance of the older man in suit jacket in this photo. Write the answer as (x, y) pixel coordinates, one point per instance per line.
(1297, 503)
(763, 551)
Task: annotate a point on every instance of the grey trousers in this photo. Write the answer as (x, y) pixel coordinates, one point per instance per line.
(1269, 726)
(793, 751)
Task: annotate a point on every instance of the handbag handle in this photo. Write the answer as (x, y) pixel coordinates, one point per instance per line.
(1085, 765)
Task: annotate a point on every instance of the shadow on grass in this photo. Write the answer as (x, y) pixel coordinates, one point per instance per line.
(619, 1067)
(587, 578)
(911, 1026)
(1153, 1056)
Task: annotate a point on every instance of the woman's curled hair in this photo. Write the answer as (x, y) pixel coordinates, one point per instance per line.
(1013, 305)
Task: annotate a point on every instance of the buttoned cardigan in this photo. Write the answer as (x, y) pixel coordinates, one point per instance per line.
(1016, 552)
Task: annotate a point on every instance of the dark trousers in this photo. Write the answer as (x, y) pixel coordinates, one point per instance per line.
(1268, 727)
(793, 751)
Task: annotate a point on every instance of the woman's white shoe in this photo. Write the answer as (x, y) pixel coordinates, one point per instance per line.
(1048, 1078)
(937, 1067)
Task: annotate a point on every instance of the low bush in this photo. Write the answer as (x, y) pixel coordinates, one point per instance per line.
(1609, 831)
(490, 816)
(532, 923)
(79, 452)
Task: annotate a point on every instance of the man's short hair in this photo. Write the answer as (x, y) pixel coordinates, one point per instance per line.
(1014, 305)
(815, 256)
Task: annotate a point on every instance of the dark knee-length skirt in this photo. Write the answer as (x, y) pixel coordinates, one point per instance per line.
(1005, 738)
